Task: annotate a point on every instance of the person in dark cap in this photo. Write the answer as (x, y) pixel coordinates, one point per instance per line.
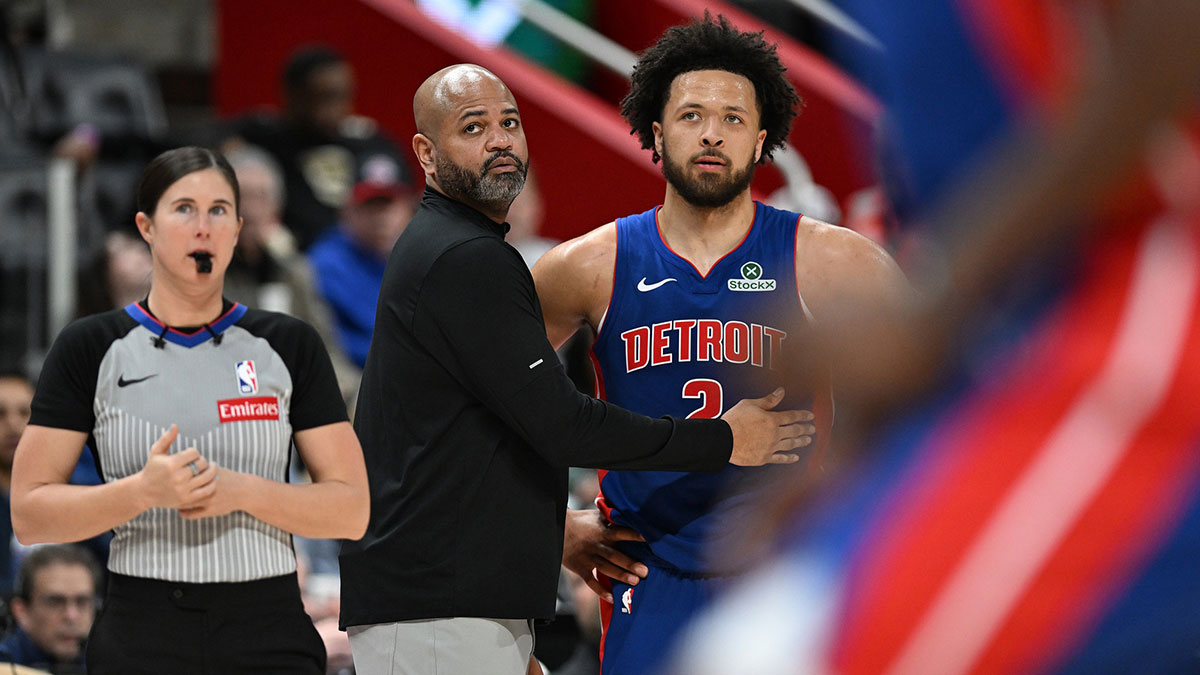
(348, 260)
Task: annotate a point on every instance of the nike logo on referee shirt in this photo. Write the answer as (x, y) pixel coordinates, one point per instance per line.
(643, 286)
(122, 382)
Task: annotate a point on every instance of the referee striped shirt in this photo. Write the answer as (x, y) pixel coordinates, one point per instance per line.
(124, 378)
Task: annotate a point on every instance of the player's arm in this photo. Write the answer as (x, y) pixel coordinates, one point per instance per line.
(853, 288)
(844, 276)
(513, 371)
(590, 548)
(574, 282)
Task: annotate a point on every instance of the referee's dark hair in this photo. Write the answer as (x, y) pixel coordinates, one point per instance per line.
(14, 373)
(708, 44)
(172, 165)
(54, 554)
(304, 62)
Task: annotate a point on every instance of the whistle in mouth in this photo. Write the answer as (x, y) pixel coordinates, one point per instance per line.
(203, 261)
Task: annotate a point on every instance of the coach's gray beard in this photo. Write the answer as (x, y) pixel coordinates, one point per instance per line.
(481, 187)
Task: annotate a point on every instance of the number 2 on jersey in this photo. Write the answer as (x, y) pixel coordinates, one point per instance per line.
(710, 394)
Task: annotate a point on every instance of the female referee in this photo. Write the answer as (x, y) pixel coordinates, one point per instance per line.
(191, 403)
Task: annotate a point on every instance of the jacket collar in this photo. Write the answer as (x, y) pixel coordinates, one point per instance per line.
(441, 202)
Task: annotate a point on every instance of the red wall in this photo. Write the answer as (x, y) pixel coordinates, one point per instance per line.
(590, 168)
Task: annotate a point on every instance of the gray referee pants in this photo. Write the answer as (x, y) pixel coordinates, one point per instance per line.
(457, 646)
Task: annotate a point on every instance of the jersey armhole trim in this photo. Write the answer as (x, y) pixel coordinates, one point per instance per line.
(613, 289)
(795, 274)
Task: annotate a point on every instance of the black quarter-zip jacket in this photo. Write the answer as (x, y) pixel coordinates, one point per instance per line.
(469, 423)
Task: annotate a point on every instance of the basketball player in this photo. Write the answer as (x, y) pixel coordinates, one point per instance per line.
(693, 304)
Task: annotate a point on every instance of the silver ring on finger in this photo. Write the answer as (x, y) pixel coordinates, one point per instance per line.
(195, 469)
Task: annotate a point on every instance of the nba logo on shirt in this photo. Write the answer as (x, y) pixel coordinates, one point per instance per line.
(246, 377)
(627, 601)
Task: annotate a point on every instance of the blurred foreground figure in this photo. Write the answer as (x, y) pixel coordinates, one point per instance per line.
(1038, 510)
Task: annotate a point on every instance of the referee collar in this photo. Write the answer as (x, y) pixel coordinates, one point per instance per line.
(438, 201)
(186, 336)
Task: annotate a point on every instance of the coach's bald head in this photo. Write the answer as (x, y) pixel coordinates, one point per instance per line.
(443, 90)
(469, 140)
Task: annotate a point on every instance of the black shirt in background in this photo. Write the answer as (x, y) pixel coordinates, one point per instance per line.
(468, 424)
(318, 172)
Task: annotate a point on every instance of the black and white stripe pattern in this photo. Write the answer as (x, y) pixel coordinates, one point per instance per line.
(185, 390)
(160, 543)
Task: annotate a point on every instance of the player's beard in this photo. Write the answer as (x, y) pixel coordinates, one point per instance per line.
(481, 187)
(709, 190)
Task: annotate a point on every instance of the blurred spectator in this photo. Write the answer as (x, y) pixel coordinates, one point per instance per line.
(15, 396)
(525, 222)
(584, 486)
(81, 145)
(349, 260)
(570, 644)
(54, 608)
(118, 274)
(321, 594)
(317, 141)
(267, 272)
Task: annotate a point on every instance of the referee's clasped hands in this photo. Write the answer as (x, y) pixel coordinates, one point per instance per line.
(762, 435)
(184, 480)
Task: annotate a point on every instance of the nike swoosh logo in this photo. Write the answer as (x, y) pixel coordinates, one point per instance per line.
(122, 382)
(643, 286)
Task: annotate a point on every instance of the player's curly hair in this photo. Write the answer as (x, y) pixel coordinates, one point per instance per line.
(708, 44)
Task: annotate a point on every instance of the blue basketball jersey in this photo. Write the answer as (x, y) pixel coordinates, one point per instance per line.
(676, 342)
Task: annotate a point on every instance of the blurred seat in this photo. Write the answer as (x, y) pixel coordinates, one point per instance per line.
(22, 211)
(113, 94)
(22, 255)
(18, 148)
(14, 106)
(108, 195)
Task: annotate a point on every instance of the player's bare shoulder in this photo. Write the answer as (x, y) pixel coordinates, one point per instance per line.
(820, 245)
(574, 281)
(835, 265)
(583, 265)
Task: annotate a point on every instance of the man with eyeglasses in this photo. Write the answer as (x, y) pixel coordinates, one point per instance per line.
(54, 606)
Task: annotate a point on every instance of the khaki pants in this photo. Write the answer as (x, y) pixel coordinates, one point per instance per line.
(457, 646)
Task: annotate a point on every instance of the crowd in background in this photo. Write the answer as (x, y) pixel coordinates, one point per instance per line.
(324, 196)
